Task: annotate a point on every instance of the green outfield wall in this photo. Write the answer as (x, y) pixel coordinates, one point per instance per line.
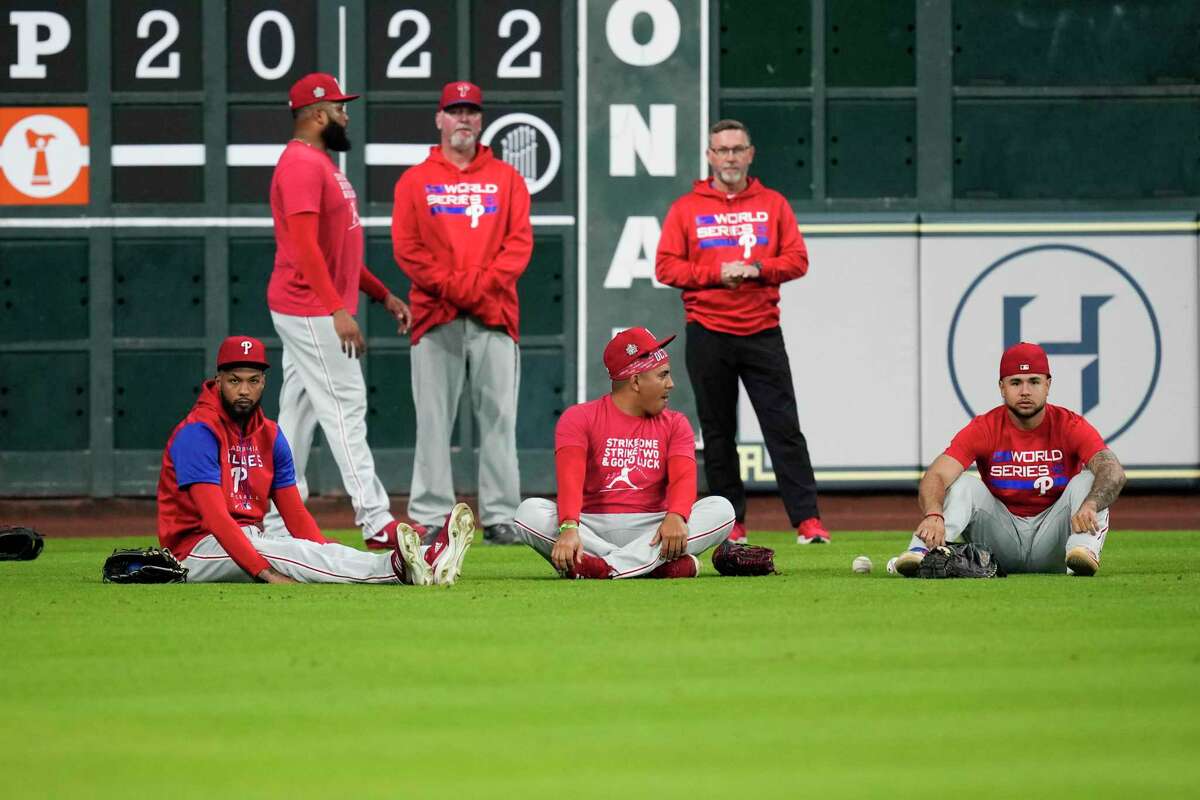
(963, 170)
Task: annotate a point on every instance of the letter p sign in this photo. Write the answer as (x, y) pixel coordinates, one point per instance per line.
(246, 347)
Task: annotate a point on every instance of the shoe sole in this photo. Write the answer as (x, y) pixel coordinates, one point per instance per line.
(461, 530)
(907, 564)
(813, 540)
(1082, 563)
(409, 545)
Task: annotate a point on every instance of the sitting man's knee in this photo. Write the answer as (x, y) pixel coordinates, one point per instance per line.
(535, 513)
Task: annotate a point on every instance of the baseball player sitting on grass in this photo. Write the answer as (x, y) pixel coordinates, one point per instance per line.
(1035, 508)
(626, 470)
(223, 465)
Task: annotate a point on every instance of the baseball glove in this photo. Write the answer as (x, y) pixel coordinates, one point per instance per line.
(733, 558)
(959, 561)
(19, 544)
(145, 565)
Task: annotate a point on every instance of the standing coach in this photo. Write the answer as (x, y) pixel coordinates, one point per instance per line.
(461, 232)
(728, 244)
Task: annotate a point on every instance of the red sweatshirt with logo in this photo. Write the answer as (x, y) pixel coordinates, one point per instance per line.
(463, 238)
(706, 228)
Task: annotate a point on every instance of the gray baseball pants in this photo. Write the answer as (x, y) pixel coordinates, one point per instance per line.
(1020, 544)
(623, 540)
(446, 358)
(299, 559)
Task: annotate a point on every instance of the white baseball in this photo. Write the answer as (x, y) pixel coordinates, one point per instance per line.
(862, 564)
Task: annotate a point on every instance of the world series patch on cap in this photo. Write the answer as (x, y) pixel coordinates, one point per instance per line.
(315, 87)
(634, 350)
(242, 350)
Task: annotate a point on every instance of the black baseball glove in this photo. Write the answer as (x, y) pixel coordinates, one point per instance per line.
(145, 565)
(19, 544)
(964, 560)
(733, 558)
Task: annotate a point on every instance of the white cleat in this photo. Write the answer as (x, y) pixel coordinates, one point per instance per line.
(908, 562)
(1082, 562)
(408, 544)
(458, 535)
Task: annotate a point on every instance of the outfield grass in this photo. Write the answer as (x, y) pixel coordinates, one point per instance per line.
(814, 683)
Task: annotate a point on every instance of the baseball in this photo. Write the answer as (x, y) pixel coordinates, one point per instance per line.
(862, 564)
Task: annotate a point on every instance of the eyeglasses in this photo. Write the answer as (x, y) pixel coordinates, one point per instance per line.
(725, 152)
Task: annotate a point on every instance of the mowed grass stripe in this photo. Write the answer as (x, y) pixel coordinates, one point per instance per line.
(816, 682)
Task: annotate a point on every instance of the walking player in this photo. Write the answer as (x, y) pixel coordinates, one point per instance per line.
(461, 232)
(1035, 508)
(626, 470)
(226, 461)
(313, 297)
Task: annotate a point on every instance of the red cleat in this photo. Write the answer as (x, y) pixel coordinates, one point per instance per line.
(739, 533)
(686, 566)
(590, 567)
(811, 531)
(383, 539)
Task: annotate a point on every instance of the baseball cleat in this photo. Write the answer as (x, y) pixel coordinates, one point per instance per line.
(908, 562)
(501, 533)
(445, 556)
(413, 569)
(589, 567)
(383, 539)
(686, 566)
(811, 531)
(1082, 562)
(738, 534)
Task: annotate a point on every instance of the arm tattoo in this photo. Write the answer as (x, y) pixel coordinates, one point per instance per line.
(1109, 479)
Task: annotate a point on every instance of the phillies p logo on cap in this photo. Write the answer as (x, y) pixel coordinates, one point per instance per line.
(243, 351)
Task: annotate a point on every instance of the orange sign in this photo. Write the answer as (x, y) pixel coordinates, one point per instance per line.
(44, 156)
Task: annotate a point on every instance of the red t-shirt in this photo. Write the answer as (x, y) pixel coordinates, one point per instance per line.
(305, 180)
(1026, 470)
(626, 455)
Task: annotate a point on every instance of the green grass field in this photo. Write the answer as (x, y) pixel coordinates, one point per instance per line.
(814, 683)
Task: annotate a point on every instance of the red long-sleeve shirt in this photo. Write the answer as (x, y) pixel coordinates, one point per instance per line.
(463, 237)
(706, 228)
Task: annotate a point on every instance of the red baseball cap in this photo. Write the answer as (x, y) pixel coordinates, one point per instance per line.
(461, 93)
(632, 351)
(238, 351)
(315, 87)
(1024, 358)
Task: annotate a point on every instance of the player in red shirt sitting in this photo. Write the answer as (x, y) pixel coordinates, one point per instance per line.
(1034, 505)
(223, 466)
(626, 470)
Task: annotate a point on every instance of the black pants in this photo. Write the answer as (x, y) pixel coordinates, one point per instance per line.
(715, 361)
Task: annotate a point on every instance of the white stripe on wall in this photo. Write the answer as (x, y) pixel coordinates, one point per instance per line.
(538, 221)
(253, 155)
(393, 154)
(158, 155)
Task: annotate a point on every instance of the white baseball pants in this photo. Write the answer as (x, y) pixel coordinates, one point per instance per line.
(300, 559)
(1020, 544)
(623, 540)
(443, 360)
(322, 386)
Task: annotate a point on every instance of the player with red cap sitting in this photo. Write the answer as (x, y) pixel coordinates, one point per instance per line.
(224, 464)
(1034, 505)
(626, 470)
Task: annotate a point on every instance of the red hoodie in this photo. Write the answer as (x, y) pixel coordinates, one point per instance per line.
(463, 238)
(706, 228)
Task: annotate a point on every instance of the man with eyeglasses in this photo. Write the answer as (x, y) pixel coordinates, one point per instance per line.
(728, 244)
(461, 232)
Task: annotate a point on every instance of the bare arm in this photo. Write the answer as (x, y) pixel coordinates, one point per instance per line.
(1106, 487)
(931, 494)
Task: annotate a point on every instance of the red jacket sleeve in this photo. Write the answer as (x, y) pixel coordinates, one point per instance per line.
(370, 284)
(412, 256)
(296, 518)
(672, 265)
(570, 467)
(301, 230)
(216, 519)
(681, 485)
(792, 259)
(516, 247)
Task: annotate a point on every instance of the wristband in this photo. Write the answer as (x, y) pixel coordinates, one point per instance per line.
(568, 525)
(934, 514)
